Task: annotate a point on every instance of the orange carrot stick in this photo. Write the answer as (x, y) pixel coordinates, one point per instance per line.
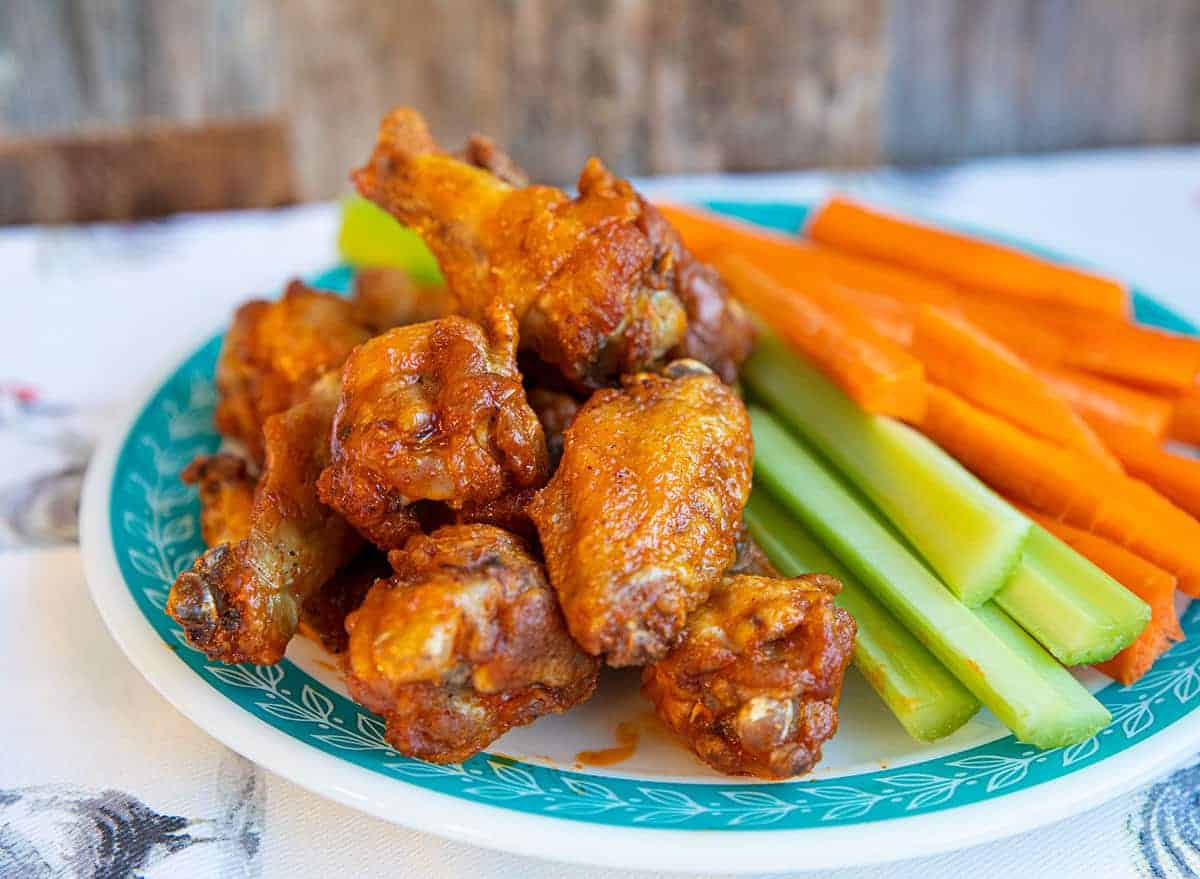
(1107, 405)
(877, 374)
(1066, 485)
(891, 318)
(1185, 418)
(1096, 343)
(1176, 476)
(967, 361)
(707, 234)
(1131, 664)
(961, 259)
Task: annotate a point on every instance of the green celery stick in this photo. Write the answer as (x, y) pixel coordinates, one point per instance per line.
(928, 701)
(970, 537)
(1044, 712)
(370, 236)
(1090, 715)
(1078, 612)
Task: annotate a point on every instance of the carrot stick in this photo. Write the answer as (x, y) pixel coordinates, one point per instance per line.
(1096, 343)
(792, 260)
(891, 318)
(877, 374)
(1148, 582)
(1066, 485)
(966, 360)
(1047, 333)
(1131, 664)
(1176, 476)
(1107, 405)
(704, 232)
(961, 259)
(1185, 418)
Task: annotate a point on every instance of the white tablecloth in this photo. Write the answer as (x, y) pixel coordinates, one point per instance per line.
(89, 753)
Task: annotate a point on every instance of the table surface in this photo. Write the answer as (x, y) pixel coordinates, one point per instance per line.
(92, 312)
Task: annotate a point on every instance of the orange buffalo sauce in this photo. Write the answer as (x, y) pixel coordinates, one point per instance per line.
(627, 742)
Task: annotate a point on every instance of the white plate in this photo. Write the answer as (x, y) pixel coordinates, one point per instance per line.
(877, 796)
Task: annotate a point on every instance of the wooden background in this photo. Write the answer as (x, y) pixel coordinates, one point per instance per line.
(117, 108)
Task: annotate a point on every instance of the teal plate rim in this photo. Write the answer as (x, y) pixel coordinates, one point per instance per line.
(153, 528)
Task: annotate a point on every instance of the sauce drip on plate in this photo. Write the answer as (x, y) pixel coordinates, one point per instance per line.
(627, 742)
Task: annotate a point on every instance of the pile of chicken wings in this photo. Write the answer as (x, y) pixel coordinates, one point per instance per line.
(478, 494)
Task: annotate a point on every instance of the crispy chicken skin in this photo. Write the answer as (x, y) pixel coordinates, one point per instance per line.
(463, 643)
(273, 353)
(719, 333)
(226, 490)
(240, 602)
(482, 152)
(753, 687)
(641, 518)
(509, 512)
(432, 411)
(750, 558)
(555, 410)
(386, 297)
(323, 615)
(594, 294)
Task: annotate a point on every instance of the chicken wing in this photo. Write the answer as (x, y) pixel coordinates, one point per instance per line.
(641, 518)
(750, 558)
(719, 333)
(273, 353)
(226, 496)
(753, 686)
(433, 411)
(323, 614)
(464, 642)
(386, 297)
(594, 292)
(240, 602)
(555, 410)
(482, 152)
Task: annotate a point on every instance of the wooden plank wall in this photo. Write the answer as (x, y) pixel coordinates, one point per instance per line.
(650, 85)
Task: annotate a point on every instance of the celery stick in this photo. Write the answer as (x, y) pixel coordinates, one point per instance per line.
(970, 537)
(1090, 715)
(1046, 713)
(928, 701)
(1078, 612)
(370, 236)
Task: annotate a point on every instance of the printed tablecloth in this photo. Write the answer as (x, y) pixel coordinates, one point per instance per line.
(99, 776)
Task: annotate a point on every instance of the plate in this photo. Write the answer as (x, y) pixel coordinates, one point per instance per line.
(877, 795)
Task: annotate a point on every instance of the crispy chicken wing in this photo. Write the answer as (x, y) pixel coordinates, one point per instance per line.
(555, 410)
(592, 280)
(432, 411)
(323, 615)
(226, 496)
(464, 642)
(719, 333)
(240, 602)
(641, 518)
(750, 558)
(509, 512)
(273, 353)
(482, 152)
(386, 297)
(753, 687)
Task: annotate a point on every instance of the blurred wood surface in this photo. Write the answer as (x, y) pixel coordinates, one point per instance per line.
(651, 87)
(974, 77)
(153, 170)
